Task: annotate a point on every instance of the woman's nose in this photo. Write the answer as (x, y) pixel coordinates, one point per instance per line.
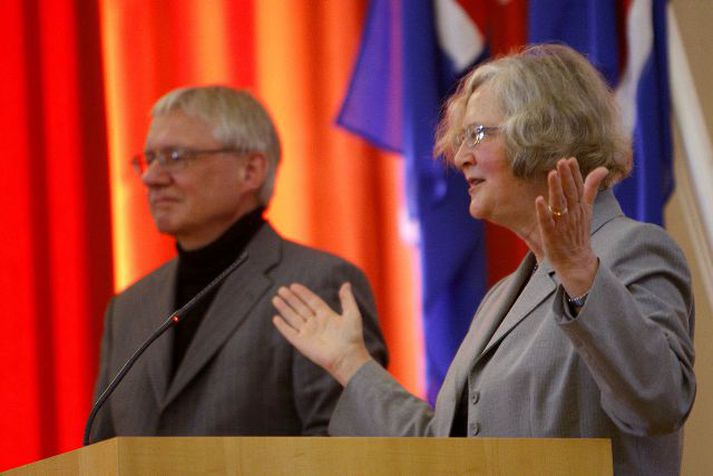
(464, 156)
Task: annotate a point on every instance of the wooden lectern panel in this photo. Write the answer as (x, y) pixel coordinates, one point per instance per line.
(326, 456)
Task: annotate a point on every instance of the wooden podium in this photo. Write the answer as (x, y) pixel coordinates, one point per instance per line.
(317, 456)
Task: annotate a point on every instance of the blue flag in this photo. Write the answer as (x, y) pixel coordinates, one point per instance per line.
(628, 46)
(399, 83)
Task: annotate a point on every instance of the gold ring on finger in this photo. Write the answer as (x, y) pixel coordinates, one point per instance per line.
(557, 213)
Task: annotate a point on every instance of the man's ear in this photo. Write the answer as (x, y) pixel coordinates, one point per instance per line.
(255, 171)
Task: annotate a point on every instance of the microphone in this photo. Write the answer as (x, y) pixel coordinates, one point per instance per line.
(172, 320)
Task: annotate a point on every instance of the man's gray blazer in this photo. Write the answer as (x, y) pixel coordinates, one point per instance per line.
(239, 376)
(621, 369)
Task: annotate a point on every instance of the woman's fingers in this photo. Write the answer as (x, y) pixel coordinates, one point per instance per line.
(565, 234)
(566, 175)
(285, 329)
(332, 341)
(288, 313)
(544, 216)
(346, 297)
(296, 304)
(577, 175)
(568, 189)
(313, 302)
(556, 201)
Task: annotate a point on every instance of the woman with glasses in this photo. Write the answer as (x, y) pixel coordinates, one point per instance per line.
(591, 336)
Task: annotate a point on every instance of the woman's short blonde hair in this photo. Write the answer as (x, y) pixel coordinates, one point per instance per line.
(556, 105)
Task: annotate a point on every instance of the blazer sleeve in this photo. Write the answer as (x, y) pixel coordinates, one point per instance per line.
(635, 331)
(316, 392)
(375, 404)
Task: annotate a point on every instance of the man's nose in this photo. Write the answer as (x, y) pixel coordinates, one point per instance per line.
(154, 174)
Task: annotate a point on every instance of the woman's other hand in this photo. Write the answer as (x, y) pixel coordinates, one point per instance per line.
(565, 224)
(334, 342)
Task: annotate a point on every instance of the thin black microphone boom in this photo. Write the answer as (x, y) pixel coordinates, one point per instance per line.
(172, 320)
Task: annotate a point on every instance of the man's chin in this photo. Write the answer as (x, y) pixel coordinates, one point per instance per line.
(166, 226)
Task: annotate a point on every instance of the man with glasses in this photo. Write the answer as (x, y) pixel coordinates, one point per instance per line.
(209, 167)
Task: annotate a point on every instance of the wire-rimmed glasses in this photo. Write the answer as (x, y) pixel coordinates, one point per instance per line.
(474, 134)
(174, 159)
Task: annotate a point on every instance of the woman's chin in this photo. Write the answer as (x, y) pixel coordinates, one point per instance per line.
(479, 212)
(476, 212)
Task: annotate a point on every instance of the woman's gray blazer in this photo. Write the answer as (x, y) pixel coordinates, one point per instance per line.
(621, 369)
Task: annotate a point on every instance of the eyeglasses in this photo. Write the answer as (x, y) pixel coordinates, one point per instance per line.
(474, 134)
(173, 159)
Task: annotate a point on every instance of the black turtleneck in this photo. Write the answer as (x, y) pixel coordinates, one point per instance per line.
(197, 268)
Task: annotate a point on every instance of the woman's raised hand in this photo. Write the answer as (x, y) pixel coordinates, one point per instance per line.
(334, 342)
(565, 221)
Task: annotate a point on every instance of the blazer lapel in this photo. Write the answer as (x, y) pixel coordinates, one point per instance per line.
(160, 353)
(538, 288)
(231, 306)
(484, 325)
(494, 321)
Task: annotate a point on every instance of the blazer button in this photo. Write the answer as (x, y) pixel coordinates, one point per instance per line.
(475, 396)
(474, 429)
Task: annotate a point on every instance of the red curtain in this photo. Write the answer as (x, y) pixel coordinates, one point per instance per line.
(78, 80)
(55, 249)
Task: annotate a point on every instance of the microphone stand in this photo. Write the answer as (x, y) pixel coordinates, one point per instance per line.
(172, 320)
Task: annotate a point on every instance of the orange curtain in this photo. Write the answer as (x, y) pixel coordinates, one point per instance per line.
(79, 79)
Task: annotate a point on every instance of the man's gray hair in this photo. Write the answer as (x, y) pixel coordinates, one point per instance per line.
(238, 120)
